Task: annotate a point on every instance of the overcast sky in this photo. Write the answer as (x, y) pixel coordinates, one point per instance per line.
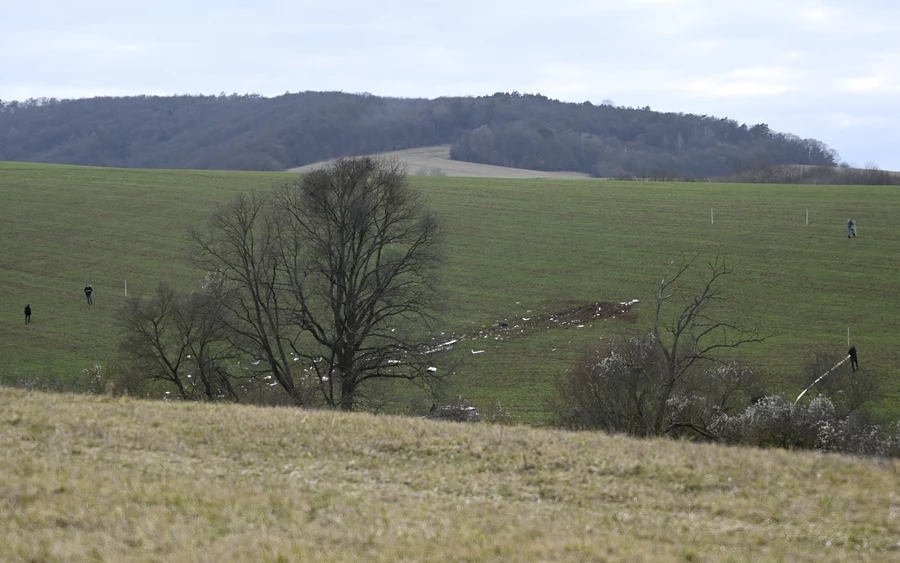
(824, 69)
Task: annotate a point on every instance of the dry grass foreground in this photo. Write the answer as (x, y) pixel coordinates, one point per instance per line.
(435, 161)
(114, 479)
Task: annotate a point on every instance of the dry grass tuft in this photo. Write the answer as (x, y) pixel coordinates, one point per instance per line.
(115, 479)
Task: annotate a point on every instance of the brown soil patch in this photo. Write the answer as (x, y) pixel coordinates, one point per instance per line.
(574, 317)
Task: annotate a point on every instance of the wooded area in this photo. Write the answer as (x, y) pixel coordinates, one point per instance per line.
(251, 132)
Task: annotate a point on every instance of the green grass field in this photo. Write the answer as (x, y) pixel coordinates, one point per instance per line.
(87, 478)
(518, 248)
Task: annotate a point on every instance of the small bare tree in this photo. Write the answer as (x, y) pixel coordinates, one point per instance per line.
(241, 250)
(176, 338)
(670, 381)
(695, 333)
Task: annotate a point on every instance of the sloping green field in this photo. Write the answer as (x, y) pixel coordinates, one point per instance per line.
(518, 249)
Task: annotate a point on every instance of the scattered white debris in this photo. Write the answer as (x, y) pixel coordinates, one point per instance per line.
(477, 351)
(632, 302)
(256, 363)
(580, 326)
(440, 347)
(432, 369)
(526, 318)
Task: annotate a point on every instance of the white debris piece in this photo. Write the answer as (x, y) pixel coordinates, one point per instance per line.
(477, 351)
(440, 347)
(432, 369)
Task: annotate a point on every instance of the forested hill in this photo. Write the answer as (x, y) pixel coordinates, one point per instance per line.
(251, 132)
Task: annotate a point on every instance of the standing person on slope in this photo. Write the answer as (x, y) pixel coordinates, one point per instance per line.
(88, 290)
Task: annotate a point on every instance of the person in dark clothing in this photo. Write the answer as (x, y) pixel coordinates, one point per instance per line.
(851, 228)
(28, 313)
(88, 290)
(854, 363)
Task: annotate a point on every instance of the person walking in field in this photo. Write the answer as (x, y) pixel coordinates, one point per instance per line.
(88, 290)
(851, 228)
(854, 363)
(28, 313)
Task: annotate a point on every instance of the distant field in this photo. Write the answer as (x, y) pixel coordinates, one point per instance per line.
(99, 479)
(435, 161)
(518, 249)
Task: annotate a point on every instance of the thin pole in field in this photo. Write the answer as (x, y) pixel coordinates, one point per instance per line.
(848, 336)
(807, 216)
(126, 288)
(712, 218)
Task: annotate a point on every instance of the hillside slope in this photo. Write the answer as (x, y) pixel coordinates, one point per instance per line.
(251, 132)
(436, 161)
(91, 478)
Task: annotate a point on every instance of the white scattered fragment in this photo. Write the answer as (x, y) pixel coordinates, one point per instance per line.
(553, 349)
(440, 347)
(526, 318)
(296, 359)
(432, 369)
(477, 351)
(392, 362)
(189, 356)
(189, 375)
(580, 326)
(256, 363)
(632, 302)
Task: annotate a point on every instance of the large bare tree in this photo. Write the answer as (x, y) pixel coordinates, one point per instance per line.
(329, 281)
(361, 251)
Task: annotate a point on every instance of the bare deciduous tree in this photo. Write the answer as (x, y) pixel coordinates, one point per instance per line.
(360, 251)
(177, 338)
(329, 281)
(242, 249)
(670, 381)
(695, 333)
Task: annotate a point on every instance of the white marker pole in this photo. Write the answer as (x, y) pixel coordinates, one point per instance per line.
(712, 218)
(807, 216)
(848, 336)
(126, 288)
